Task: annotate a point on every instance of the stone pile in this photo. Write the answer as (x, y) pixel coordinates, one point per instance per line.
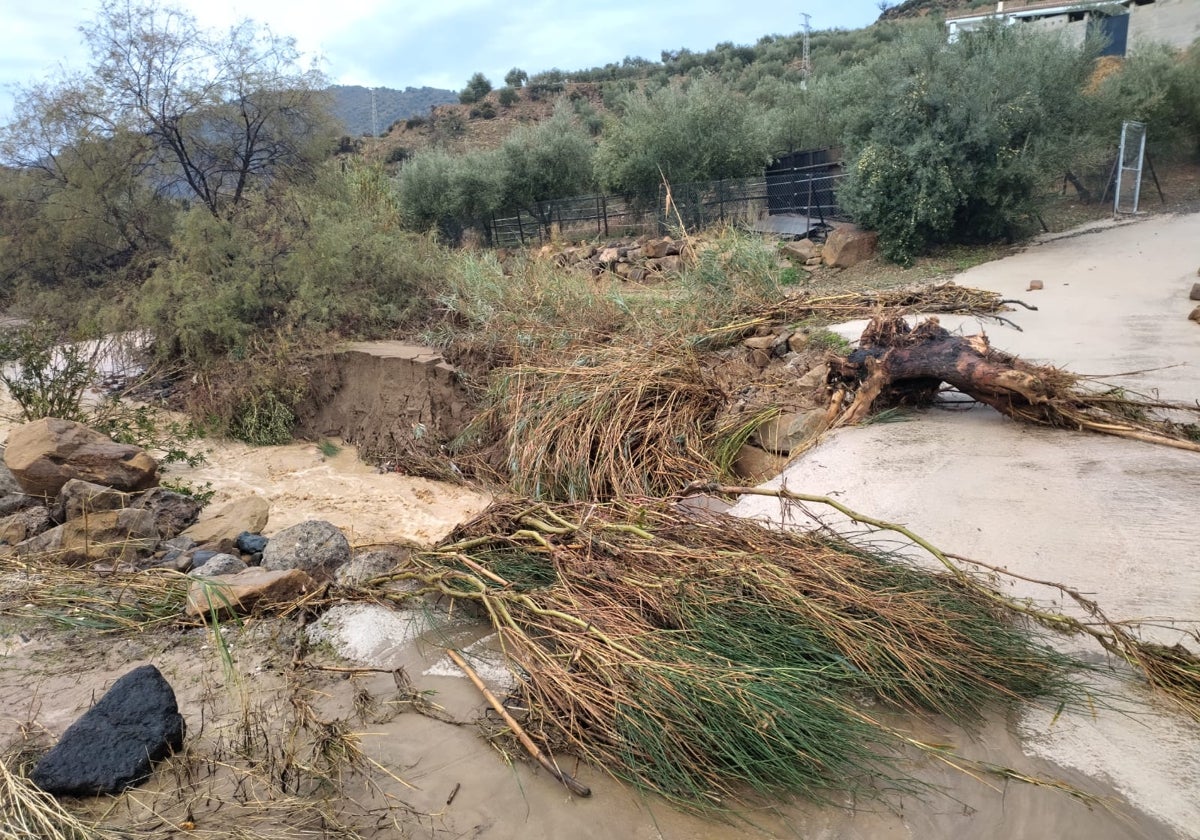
(634, 260)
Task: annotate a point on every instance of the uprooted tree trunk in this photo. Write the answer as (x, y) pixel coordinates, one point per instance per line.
(898, 364)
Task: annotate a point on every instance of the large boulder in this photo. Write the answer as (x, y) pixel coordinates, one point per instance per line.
(782, 434)
(254, 588)
(114, 745)
(46, 454)
(172, 512)
(849, 245)
(315, 547)
(227, 521)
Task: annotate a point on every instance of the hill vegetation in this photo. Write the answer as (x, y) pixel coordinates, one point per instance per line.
(351, 106)
(227, 252)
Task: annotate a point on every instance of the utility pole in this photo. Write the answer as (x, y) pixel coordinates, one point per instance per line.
(805, 61)
(375, 115)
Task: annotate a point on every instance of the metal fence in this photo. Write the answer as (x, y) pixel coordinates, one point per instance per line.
(804, 191)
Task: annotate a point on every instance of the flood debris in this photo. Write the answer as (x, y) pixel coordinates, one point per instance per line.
(896, 364)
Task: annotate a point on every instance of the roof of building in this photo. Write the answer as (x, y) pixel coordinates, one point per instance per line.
(1020, 7)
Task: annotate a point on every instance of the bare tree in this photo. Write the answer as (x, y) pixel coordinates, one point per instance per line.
(219, 112)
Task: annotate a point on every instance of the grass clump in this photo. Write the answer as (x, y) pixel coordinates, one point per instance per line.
(711, 659)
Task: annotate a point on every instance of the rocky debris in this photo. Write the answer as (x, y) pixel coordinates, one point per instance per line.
(18, 527)
(1195, 293)
(78, 498)
(172, 512)
(248, 513)
(370, 564)
(108, 536)
(1195, 316)
(46, 454)
(175, 553)
(219, 564)
(787, 432)
(315, 547)
(754, 464)
(634, 260)
(245, 591)
(46, 543)
(817, 377)
(115, 743)
(849, 245)
(1035, 286)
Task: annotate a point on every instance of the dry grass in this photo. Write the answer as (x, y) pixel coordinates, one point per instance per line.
(706, 659)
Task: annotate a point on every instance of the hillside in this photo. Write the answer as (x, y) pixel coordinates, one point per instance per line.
(921, 8)
(352, 105)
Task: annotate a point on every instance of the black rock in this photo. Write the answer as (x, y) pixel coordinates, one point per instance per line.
(248, 543)
(114, 744)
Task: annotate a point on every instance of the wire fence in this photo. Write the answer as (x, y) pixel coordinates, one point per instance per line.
(808, 192)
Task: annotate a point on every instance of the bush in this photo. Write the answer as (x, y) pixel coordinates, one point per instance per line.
(515, 77)
(508, 97)
(485, 110)
(45, 376)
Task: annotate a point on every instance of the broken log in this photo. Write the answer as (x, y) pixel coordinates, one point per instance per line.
(901, 365)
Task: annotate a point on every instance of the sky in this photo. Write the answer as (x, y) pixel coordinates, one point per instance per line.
(439, 43)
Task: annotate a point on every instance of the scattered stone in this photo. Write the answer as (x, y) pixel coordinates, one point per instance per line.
(46, 454)
(849, 245)
(785, 433)
(219, 564)
(202, 555)
(669, 264)
(18, 527)
(114, 745)
(248, 513)
(315, 547)
(1035, 286)
(815, 378)
(1195, 316)
(802, 250)
(1195, 294)
(813, 262)
(172, 512)
(798, 340)
(370, 564)
(608, 256)
(78, 498)
(249, 543)
(754, 464)
(760, 342)
(760, 358)
(254, 588)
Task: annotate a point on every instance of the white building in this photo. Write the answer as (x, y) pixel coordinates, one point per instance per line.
(1127, 23)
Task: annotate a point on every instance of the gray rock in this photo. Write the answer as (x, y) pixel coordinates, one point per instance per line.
(172, 511)
(220, 564)
(114, 745)
(78, 497)
(12, 497)
(370, 564)
(18, 527)
(46, 543)
(315, 547)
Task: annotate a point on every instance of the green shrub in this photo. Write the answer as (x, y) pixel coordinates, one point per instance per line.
(484, 110)
(44, 375)
(952, 142)
(508, 97)
(515, 77)
(263, 419)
